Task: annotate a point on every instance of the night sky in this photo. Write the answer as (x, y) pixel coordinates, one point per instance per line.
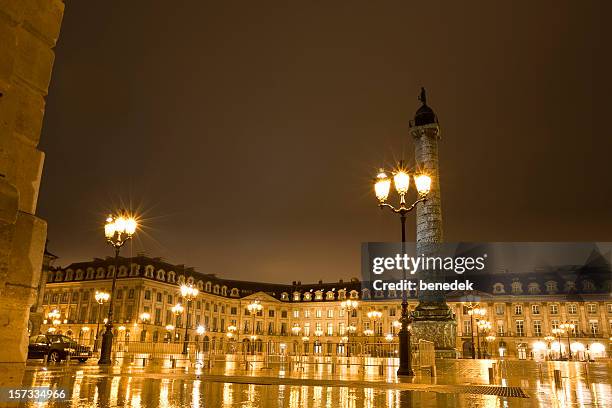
(246, 134)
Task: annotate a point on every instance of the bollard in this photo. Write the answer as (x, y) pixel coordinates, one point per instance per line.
(491, 375)
(381, 369)
(144, 361)
(333, 367)
(173, 361)
(557, 374)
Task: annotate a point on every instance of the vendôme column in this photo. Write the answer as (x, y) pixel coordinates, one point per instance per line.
(433, 319)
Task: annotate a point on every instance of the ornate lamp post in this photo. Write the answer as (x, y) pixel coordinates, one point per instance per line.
(169, 329)
(558, 332)
(100, 297)
(548, 339)
(189, 293)
(144, 318)
(374, 315)
(483, 325)
(568, 327)
(382, 187)
(254, 307)
(117, 230)
(478, 312)
(348, 306)
(201, 330)
(490, 339)
(177, 310)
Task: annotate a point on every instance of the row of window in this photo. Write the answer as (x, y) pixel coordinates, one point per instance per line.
(500, 328)
(553, 309)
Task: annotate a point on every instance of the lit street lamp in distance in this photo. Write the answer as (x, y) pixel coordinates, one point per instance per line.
(189, 292)
(144, 318)
(348, 306)
(568, 327)
(177, 310)
(118, 230)
(201, 330)
(101, 297)
(382, 188)
(474, 310)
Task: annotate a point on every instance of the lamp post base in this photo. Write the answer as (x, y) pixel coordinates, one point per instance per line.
(107, 345)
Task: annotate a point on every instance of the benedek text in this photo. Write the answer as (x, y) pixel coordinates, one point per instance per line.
(421, 285)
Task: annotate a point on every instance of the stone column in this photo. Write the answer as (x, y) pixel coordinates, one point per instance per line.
(28, 32)
(433, 318)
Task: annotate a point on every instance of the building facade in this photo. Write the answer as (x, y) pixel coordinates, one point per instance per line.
(521, 319)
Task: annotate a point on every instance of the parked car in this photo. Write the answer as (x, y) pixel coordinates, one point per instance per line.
(57, 347)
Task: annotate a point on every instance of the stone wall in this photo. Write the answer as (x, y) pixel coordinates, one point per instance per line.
(28, 32)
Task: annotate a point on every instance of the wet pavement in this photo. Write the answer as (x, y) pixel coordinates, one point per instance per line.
(459, 383)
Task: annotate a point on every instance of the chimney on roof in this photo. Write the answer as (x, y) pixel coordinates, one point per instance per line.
(340, 281)
(320, 281)
(299, 283)
(293, 283)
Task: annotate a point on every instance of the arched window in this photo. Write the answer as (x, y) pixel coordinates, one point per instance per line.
(58, 276)
(171, 277)
(161, 275)
(149, 270)
(216, 289)
(499, 288)
(318, 295)
(330, 295)
(69, 274)
(284, 296)
(517, 287)
(551, 286)
(208, 286)
(365, 293)
(588, 285)
(296, 296)
(533, 288)
(100, 273)
(79, 274)
(224, 290)
(123, 271)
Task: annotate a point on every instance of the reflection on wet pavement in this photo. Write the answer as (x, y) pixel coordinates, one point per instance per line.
(130, 386)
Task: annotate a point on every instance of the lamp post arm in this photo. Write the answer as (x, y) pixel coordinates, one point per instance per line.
(402, 208)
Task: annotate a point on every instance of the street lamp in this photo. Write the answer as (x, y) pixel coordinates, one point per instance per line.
(473, 310)
(348, 306)
(117, 230)
(177, 310)
(169, 329)
(382, 188)
(144, 317)
(189, 293)
(100, 297)
(374, 315)
(483, 325)
(549, 339)
(568, 327)
(254, 308)
(490, 339)
(558, 332)
(201, 330)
